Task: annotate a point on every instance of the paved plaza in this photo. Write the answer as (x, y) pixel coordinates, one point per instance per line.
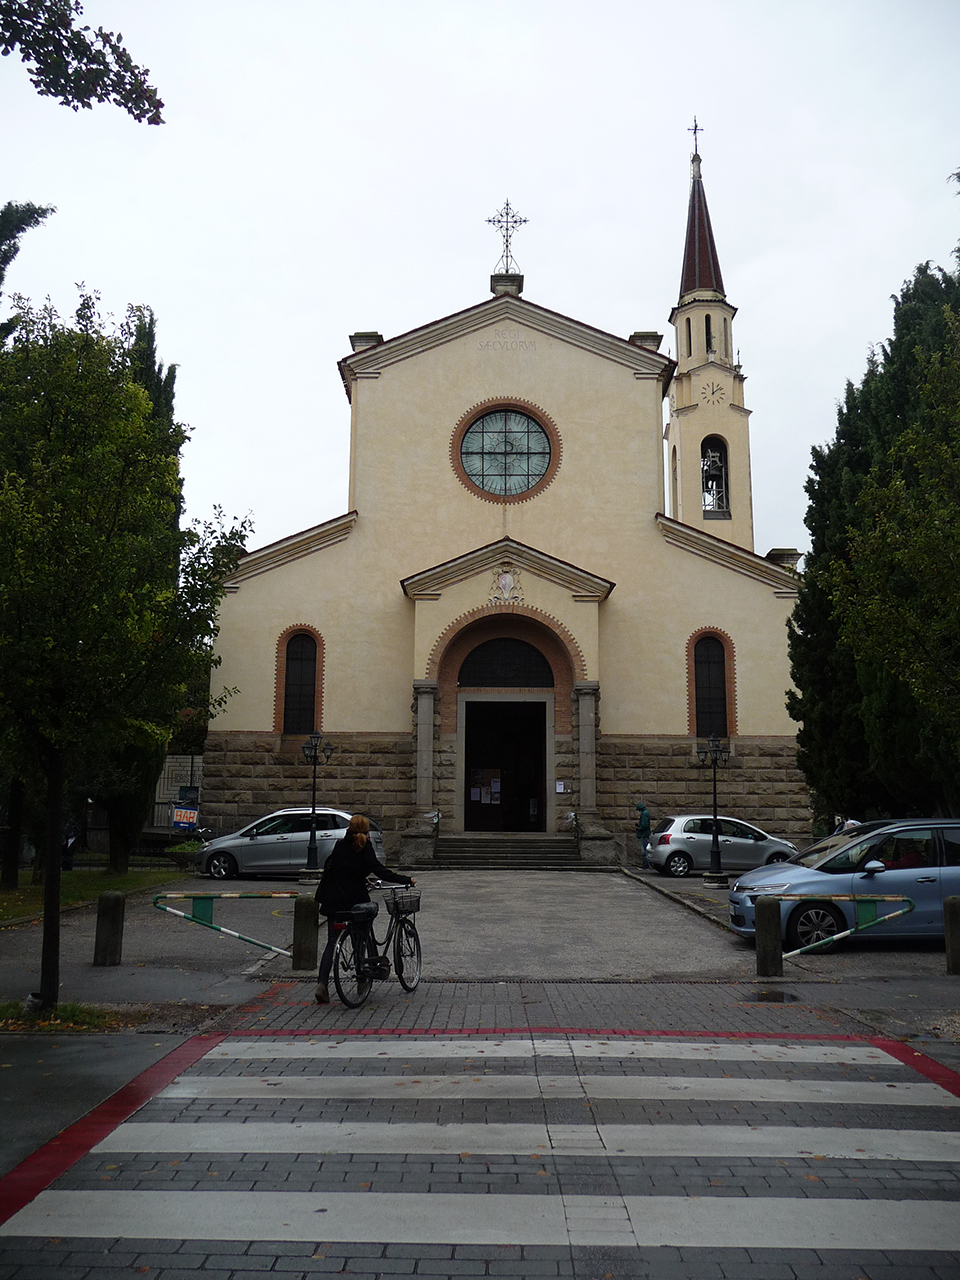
(663, 1128)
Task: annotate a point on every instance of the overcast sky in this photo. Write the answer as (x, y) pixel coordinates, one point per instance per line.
(328, 167)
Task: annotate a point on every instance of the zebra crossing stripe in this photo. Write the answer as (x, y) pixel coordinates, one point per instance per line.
(666, 1088)
(420, 1138)
(362, 1048)
(419, 1218)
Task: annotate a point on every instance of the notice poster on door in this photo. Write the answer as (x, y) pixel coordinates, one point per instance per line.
(485, 786)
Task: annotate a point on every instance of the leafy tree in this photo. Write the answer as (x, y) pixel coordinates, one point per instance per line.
(124, 780)
(15, 219)
(99, 637)
(74, 64)
(866, 744)
(832, 748)
(897, 597)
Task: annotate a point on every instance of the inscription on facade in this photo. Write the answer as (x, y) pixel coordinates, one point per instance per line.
(507, 340)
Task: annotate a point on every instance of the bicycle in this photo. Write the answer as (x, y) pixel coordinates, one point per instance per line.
(360, 958)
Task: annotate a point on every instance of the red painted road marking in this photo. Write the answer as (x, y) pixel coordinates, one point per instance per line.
(38, 1171)
(933, 1070)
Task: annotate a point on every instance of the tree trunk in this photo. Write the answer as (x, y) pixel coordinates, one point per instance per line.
(13, 837)
(53, 843)
(127, 812)
(120, 844)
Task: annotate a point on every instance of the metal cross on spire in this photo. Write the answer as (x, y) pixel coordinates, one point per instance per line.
(507, 221)
(697, 128)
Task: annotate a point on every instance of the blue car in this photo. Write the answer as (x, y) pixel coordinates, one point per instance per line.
(917, 859)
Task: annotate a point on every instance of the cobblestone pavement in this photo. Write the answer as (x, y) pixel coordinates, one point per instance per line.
(599, 1131)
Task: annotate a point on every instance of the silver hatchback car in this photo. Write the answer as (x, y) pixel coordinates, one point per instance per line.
(681, 844)
(277, 845)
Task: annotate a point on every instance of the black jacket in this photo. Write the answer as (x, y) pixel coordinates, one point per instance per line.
(344, 880)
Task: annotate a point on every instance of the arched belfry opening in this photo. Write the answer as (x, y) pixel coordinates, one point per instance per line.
(505, 685)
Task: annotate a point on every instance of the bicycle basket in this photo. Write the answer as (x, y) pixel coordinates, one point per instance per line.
(364, 912)
(403, 902)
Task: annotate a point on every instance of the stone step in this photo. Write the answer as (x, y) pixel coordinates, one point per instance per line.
(508, 852)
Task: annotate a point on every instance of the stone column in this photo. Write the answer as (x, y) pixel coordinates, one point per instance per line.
(426, 693)
(418, 839)
(595, 842)
(587, 692)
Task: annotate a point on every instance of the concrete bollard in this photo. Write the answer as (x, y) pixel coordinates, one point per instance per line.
(769, 945)
(951, 927)
(108, 944)
(305, 929)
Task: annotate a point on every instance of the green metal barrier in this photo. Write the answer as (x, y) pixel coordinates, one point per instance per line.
(865, 912)
(202, 913)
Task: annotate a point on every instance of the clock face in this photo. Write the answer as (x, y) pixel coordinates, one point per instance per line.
(713, 392)
(505, 452)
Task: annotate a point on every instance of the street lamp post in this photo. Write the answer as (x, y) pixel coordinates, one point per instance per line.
(312, 749)
(717, 753)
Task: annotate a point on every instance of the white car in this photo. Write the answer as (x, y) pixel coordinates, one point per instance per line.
(277, 845)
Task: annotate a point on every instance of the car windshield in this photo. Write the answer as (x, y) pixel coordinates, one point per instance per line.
(847, 857)
(816, 853)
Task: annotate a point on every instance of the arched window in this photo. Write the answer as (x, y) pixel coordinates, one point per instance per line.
(708, 333)
(300, 684)
(689, 338)
(715, 478)
(710, 687)
(505, 664)
(726, 339)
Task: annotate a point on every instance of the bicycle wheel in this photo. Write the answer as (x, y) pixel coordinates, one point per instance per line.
(406, 954)
(349, 969)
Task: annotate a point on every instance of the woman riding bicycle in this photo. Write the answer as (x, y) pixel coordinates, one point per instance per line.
(344, 884)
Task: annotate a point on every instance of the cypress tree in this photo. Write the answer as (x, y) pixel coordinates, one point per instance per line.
(866, 745)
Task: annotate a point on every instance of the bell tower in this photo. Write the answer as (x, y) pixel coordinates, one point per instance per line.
(707, 435)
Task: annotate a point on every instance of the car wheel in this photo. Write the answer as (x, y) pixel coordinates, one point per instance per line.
(812, 922)
(777, 857)
(678, 864)
(222, 866)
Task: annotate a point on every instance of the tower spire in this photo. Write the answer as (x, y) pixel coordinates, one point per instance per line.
(701, 265)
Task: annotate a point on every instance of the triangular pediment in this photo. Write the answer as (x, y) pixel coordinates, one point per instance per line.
(645, 362)
(429, 584)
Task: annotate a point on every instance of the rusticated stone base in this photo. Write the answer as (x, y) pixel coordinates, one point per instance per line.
(247, 775)
(760, 784)
(596, 842)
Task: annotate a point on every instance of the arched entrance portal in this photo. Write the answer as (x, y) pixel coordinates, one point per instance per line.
(505, 736)
(505, 685)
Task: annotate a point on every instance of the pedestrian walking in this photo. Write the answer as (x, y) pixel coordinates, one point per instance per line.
(643, 832)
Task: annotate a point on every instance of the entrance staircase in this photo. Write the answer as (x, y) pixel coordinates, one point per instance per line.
(509, 851)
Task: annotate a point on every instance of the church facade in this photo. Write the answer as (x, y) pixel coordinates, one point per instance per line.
(540, 600)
